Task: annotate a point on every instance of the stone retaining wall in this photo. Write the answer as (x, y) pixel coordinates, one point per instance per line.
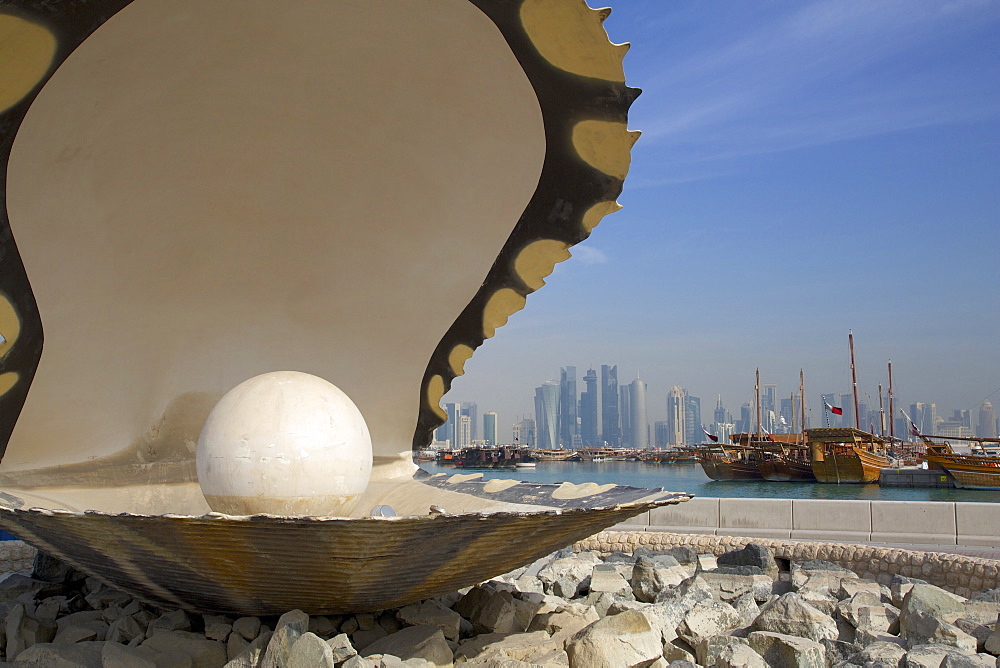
(16, 555)
(956, 573)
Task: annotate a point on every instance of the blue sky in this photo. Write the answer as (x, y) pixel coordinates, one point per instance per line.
(805, 169)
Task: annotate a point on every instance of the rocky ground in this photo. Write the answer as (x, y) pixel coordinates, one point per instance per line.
(651, 608)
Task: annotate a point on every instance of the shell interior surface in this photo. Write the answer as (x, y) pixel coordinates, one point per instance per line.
(198, 192)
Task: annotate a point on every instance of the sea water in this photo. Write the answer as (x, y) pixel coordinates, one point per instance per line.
(690, 478)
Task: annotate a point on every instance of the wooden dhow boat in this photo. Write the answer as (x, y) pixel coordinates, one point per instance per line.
(978, 470)
(786, 457)
(785, 462)
(846, 455)
(728, 462)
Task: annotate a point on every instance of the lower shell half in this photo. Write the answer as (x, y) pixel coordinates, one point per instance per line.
(267, 565)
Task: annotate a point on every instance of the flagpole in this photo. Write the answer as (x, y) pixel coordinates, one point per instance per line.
(756, 389)
(854, 382)
(802, 400)
(892, 413)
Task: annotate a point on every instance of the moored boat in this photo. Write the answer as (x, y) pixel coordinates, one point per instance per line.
(978, 470)
(728, 462)
(846, 455)
(554, 455)
(781, 462)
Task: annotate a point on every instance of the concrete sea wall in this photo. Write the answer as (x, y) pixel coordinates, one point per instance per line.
(885, 522)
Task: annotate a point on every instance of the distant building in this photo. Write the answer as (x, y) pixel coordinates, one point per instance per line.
(447, 433)
(637, 412)
(588, 411)
(524, 433)
(987, 421)
(610, 420)
(847, 403)
(471, 410)
(953, 429)
(547, 415)
(568, 429)
(692, 421)
(677, 416)
(490, 428)
(924, 416)
(661, 432)
(463, 432)
(625, 410)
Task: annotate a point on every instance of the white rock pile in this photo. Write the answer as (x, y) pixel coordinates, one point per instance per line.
(651, 608)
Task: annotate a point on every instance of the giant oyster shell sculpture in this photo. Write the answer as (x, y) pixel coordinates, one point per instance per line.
(205, 191)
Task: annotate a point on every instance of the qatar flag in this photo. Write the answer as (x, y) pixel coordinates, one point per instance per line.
(715, 439)
(836, 410)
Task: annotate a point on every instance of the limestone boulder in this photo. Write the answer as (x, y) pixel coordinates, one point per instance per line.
(626, 639)
(789, 614)
(247, 627)
(992, 642)
(978, 631)
(928, 656)
(47, 655)
(923, 629)
(739, 655)
(310, 651)
(204, 653)
(730, 586)
(116, 655)
(420, 642)
(787, 651)
(606, 578)
(565, 623)
(865, 610)
(753, 554)
(341, 647)
(969, 661)
(532, 648)
(432, 613)
(886, 653)
(706, 619)
(252, 654)
(930, 600)
(575, 569)
(708, 649)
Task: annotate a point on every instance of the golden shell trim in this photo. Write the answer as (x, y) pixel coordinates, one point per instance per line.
(538, 259)
(570, 35)
(26, 52)
(435, 392)
(596, 213)
(605, 145)
(457, 358)
(502, 304)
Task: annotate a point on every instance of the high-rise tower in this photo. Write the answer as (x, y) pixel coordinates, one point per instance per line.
(547, 415)
(637, 410)
(588, 410)
(610, 424)
(625, 410)
(987, 421)
(490, 428)
(677, 416)
(692, 420)
(568, 427)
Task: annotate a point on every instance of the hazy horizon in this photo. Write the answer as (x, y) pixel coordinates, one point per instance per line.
(805, 169)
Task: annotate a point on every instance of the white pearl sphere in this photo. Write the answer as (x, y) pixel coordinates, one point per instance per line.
(284, 443)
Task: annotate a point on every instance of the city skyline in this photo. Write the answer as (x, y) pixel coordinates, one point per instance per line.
(805, 169)
(552, 431)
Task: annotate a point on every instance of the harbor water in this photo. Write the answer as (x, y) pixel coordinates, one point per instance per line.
(690, 478)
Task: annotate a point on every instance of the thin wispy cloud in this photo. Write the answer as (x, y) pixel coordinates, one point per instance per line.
(815, 74)
(584, 254)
